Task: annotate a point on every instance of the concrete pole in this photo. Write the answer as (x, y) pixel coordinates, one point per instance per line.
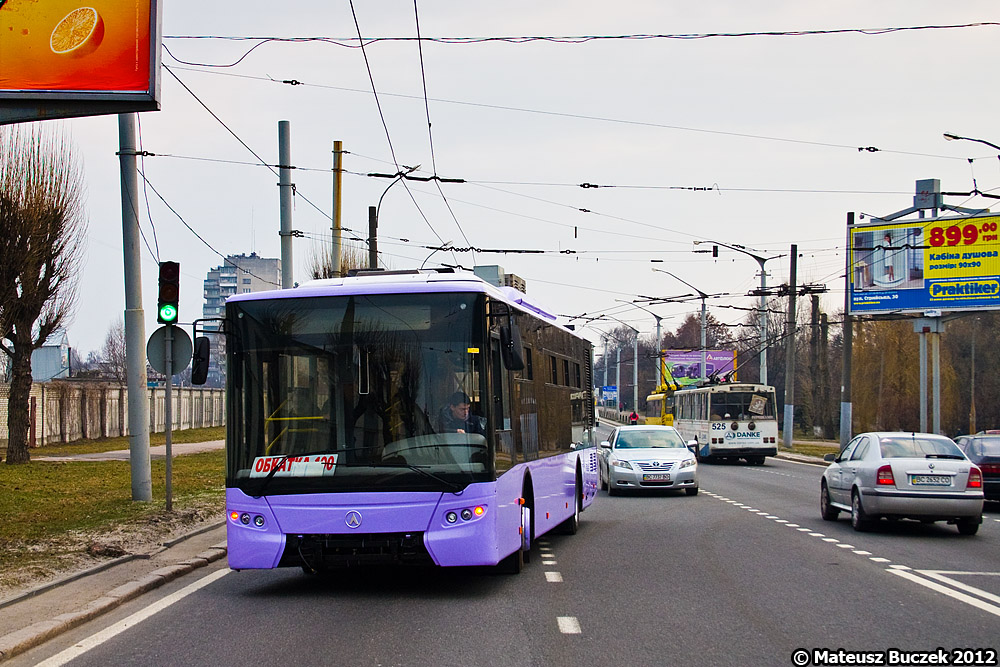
(618, 375)
(605, 363)
(789, 428)
(704, 339)
(338, 173)
(285, 197)
(372, 237)
(635, 373)
(936, 386)
(923, 381)
(763, 322)
(846, 407)
(135, 327)
(659, 354)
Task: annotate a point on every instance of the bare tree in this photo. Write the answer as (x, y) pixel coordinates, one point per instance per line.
(321, 261)
(113, 352)
(41, 233)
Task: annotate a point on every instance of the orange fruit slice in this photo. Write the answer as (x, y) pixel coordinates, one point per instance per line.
(78, 33)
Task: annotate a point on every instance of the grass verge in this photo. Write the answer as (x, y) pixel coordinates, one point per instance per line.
(56, 516)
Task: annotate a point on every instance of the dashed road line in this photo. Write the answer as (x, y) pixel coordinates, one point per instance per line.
(553, 577)
(568, 625)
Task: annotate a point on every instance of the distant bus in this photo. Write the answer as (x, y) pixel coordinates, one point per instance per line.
(660, 408)
(729, 421)
(336, 395)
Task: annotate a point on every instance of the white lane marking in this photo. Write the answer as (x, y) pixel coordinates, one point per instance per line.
(549, 562)
(934, 586)
(939, 575)
(138, 617)
(877, 559)
(781, 520)
(553, 577)
(862, 552)
(792, 525)
(845, 546)
(568, 625)
(831, 539)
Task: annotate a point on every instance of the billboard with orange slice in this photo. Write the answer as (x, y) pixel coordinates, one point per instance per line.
(64, 58)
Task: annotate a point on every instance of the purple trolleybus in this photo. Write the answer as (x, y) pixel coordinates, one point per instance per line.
(336, 448)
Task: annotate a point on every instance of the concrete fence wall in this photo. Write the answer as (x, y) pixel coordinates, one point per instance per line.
(67, 410)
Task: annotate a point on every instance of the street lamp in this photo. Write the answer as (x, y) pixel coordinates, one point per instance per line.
(659, 338)
(954, 137)
(702, 296)
(635, 364)
(763, 301)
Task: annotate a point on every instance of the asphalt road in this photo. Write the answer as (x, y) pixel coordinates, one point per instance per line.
(745, 573)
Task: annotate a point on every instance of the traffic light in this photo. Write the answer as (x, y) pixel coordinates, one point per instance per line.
(170, 290)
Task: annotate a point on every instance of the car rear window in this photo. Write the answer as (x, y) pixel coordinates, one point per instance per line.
(986, 446)
(917, 447)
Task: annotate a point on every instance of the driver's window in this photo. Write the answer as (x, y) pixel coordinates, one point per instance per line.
(845, 454)
(860, 450)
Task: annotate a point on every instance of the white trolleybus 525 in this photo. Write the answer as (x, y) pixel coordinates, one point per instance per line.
(728, 421)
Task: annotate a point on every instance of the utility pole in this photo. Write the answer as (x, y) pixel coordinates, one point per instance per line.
(372, 237)
(338, 173)
(286, 189)
(135, 328)
(793, 294)
(848, 328)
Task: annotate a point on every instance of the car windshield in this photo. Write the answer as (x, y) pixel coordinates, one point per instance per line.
(917, 447)
(986, 446)
(660, 438)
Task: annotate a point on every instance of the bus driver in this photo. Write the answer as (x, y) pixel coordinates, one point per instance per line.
(456, 417)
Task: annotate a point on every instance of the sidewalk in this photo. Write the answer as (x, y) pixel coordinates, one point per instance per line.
(36, 616)
(157, 452)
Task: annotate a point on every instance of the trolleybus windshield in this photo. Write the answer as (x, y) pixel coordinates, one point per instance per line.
(349, 393)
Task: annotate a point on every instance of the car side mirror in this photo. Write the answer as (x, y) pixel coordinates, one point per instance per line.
(606, 445)
(830, 457)
(692, 445)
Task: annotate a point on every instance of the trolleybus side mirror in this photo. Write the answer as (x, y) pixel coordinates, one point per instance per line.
(199, 360)
(510, 347)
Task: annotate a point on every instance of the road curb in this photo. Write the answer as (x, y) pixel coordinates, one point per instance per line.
(41, 632)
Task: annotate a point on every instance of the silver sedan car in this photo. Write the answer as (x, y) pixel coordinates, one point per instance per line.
(903, 476)
(647, 457)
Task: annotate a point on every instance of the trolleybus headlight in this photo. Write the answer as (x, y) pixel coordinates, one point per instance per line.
(245, 519)
(451, 517)
(752, 426)
(258, 521)
(466, 514)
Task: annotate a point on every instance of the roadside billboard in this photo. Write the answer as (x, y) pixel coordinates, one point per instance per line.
(685, 365)
(938, 264)
(59, 59)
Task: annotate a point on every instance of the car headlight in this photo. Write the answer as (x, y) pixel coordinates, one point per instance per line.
(621, 464)
(687, 463)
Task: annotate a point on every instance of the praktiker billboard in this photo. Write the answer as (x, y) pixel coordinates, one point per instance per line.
(937, 264)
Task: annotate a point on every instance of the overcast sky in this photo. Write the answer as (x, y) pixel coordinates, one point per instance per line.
(748, 140)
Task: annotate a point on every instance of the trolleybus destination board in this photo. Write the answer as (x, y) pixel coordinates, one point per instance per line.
(934, 264)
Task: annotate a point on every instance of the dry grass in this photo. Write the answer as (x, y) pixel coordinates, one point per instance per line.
(62, 516)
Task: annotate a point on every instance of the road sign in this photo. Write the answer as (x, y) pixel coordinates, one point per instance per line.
(180, 349)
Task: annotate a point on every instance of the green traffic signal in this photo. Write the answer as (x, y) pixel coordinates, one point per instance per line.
(167, 314)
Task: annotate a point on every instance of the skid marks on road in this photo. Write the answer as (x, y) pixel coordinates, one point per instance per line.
(940, 581)
(568, 625)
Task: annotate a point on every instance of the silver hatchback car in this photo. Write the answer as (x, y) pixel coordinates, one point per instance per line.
(647, 457)
(903, 475)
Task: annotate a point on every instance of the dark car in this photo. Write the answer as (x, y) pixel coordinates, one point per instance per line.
(983, 449)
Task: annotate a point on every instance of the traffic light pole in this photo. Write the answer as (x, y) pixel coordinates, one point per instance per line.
(168, 413)
(135, 328)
